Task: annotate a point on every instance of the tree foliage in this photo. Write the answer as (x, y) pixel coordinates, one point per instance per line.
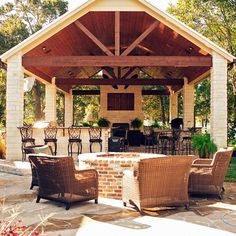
(18, 20)
(215, 19)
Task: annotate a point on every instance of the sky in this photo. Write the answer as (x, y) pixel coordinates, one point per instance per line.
(162, 4)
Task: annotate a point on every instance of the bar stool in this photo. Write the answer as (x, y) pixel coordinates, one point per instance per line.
(150, 142)
(50, 136)
(95, 134)
(26, 137)
(74, 137)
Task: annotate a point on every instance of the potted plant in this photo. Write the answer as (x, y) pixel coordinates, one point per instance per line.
(204, 145)
(103, 122)
(136, 123)
(134, 136)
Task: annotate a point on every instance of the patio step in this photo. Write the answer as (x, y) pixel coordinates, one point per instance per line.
(15, 167)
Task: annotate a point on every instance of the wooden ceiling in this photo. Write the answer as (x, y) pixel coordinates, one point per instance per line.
(108, 34)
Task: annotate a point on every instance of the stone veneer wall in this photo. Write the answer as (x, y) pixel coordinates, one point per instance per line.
(121, 116)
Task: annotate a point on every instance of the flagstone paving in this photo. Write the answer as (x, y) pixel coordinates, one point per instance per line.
(109, 217)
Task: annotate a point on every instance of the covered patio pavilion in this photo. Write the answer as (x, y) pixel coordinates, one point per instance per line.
(121, 39)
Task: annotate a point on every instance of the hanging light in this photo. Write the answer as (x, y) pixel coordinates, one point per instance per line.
(28, 83)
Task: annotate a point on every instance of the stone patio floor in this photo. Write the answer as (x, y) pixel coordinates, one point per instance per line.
(207, 215)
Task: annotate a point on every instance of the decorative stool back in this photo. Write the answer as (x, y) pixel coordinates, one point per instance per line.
(26, 138)
(50, 136)
(150, 140)
(74, 137)
(95, 134)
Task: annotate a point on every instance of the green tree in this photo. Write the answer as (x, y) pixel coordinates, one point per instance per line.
(18, 20)
(215, 19)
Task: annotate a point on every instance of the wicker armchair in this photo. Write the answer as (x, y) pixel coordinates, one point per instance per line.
(59, 181)
(207, 175)
(157, 182)
(37, 149)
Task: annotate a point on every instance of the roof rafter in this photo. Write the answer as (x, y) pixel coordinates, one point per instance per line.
(93, 38)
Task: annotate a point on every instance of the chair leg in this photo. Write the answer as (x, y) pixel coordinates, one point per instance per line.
(68, 149)
(96, 201)
(81, 148)
(68, 206)
(31, 187)
(38, 199)
(186, 206)
(55, 144)
(90, 147)
(100, 147)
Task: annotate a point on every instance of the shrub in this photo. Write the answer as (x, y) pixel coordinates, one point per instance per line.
(103, 122)
(204, 145)
(136, 123)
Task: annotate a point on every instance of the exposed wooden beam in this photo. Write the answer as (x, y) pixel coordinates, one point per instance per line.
(119, 81)
(85, 92)
(140, 38)
(93, 38)
(40, 74)
(97, 92)
(117, 33)
(64, 88)
(130, 71)
(155, 92)
(112, 61)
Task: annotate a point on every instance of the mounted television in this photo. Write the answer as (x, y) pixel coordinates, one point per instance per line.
(120, 101)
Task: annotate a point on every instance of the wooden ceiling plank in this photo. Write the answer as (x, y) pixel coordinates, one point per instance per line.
(140, 38)
(117, 33)
(94, 38)
(139, 82)
(112, 61)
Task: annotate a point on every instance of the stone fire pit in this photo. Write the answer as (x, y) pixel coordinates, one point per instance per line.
(110, 167)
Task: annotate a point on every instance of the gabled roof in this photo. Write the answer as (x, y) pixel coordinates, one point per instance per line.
(83, 8)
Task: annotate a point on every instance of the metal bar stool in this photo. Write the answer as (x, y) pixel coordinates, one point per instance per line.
(150, 142)
(74, 137)
(95, 135)
(26, 138)
(50, 134)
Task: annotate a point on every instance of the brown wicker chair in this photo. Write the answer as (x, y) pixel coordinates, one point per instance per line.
(207, 175)
(37, 149)
(157, 182)
(59, 181)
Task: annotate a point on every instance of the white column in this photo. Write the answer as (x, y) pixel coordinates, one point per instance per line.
(219, 100)
(188, 104)
(173, 106)
(68, 109)
(50, 98)
(14, 106)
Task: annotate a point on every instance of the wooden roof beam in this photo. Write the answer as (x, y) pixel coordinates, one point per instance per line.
(135, 82)
(97, 92)
(93, 38)
(140, 38)
(117, 33)
(112, 61)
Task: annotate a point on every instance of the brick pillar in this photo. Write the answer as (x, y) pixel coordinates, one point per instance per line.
(50, 98)
(219, 100)
(173, 106)
(68, 109)
(14, 106)
(188, 104)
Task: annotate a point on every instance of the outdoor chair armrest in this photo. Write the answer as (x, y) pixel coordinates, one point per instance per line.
(88, 172)
(202, 162)
(201, 166)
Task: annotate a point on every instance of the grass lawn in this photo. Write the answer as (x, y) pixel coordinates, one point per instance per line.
(231, 174)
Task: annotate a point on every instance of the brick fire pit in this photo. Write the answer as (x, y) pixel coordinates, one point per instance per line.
(110, 167)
